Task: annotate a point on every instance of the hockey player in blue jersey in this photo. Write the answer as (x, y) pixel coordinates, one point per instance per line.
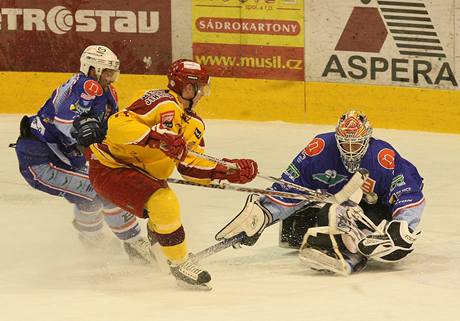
(51, 143)
(342, 237)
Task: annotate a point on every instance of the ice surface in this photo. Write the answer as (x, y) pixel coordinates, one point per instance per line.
(46, 273)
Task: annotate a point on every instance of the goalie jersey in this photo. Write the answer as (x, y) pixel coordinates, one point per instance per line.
(53, 124)
(128, 131)
(392, 178)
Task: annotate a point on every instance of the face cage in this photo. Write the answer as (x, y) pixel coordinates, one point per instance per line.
(352, 159)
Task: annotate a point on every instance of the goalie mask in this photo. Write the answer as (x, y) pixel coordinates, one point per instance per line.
(183, 72)
(101, 59)
(353, 133)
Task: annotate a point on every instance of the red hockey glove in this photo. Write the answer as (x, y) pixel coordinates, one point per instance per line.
(246, 171)
(170, 143)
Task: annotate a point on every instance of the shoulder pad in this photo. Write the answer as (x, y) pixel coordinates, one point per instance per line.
(91, 89)
(385, 153)
(386, 158)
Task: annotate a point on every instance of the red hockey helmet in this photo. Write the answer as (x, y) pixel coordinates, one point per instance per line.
(183, 71)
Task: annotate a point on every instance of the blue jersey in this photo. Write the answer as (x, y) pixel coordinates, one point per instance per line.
(394, 179)
(53, 124)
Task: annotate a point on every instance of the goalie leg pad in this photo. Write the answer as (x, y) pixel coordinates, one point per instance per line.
(293, 228)
(251, 221)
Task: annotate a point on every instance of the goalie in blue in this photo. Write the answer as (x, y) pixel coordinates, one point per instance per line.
(378, 222)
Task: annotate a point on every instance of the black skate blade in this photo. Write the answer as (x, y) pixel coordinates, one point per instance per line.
(194, 287)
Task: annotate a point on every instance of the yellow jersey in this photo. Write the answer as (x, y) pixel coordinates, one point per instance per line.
(128, 130)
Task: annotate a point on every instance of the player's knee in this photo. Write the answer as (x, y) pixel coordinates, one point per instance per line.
(163, 211)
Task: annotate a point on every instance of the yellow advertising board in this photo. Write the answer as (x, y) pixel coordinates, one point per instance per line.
(250, 39)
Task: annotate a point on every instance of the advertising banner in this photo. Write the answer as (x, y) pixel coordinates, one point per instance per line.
(402, 43)
(50, 35)
(261, 39)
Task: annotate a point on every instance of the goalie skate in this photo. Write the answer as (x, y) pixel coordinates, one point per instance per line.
(190, 276)
(139, 251)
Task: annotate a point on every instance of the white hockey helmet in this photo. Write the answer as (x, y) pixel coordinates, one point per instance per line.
(101, 58)
(353, 133)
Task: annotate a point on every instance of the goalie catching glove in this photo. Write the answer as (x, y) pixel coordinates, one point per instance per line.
(388, 242)
(392, 242)
(251, 221)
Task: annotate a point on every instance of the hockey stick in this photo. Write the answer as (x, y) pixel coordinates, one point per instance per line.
(355, 182)
(303, 197)
(267, 177)
(212, 159)
(216, 248)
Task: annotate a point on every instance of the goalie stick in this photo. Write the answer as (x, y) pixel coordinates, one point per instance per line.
(302, 197)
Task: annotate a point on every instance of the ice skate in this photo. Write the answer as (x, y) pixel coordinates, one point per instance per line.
(139, 250)
(190, 276)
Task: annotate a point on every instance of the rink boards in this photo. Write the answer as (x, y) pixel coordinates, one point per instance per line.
(422, 109)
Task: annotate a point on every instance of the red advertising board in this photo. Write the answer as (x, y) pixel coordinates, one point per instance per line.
(50, 35)
(251, 61)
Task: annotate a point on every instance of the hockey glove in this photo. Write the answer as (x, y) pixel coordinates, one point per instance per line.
(251, 221)
(87, 130)
(170, 143)
(246, 170)
(392, 242)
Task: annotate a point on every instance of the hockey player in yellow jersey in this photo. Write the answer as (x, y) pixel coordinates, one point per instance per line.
(143, 145)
